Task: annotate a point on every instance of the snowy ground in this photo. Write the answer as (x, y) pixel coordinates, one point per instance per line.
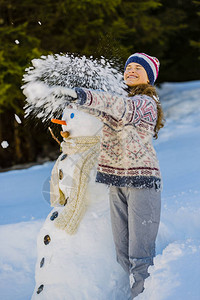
(176, 273)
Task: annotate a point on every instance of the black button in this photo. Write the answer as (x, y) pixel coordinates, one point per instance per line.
(63, 157)
(54, 215)
(42, 262)
(60, 174)
(40, 289)
(47, 239)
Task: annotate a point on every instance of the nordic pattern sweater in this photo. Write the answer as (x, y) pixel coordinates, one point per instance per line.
(127, 156)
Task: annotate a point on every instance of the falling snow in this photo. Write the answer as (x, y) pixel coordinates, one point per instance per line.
(4, 144)
(46, 80)
(18, 119)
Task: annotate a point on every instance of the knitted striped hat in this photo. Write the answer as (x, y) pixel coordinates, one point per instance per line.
(150, 64)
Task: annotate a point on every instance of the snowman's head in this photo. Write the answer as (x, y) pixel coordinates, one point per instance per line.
(79, 123)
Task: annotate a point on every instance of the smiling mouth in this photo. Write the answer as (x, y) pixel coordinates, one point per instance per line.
(132, 77)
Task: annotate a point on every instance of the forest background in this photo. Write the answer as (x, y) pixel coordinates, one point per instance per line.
(167, 29)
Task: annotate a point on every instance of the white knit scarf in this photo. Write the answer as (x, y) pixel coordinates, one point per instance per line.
(73, 211)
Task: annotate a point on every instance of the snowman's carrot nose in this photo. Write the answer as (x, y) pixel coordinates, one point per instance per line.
(57, 121)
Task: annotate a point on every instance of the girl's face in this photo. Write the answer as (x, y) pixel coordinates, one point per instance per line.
(135, 74)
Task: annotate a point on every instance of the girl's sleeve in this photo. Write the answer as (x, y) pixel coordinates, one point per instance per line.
(102, 101)
(129, 110)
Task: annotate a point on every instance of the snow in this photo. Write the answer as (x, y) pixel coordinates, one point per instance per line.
(4, 144)
(18, 255)
(47, 93)
(17, 118)
(175, 274)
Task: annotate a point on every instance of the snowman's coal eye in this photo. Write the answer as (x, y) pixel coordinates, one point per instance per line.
(72, 115)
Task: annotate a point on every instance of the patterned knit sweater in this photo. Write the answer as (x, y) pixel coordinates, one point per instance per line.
(127, 156)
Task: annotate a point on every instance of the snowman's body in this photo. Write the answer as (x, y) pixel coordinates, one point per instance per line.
(81, 266)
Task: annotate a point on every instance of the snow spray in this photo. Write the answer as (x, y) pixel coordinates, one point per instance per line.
(46, 79)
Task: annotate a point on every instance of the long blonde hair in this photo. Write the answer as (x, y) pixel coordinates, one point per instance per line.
(149, 90)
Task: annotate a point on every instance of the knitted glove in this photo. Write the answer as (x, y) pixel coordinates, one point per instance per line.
(81, 96)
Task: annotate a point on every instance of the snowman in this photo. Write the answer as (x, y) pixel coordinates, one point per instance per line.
(75, 251)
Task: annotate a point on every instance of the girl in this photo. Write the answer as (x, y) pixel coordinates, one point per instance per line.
(128, 163)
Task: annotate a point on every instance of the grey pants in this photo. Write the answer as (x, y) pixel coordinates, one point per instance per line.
(135, 217)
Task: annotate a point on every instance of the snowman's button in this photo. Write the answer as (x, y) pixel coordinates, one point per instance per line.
(54, 215)
(42, 262)
(47, 239)
(60, 174)
(40, 289)
(63, 157)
